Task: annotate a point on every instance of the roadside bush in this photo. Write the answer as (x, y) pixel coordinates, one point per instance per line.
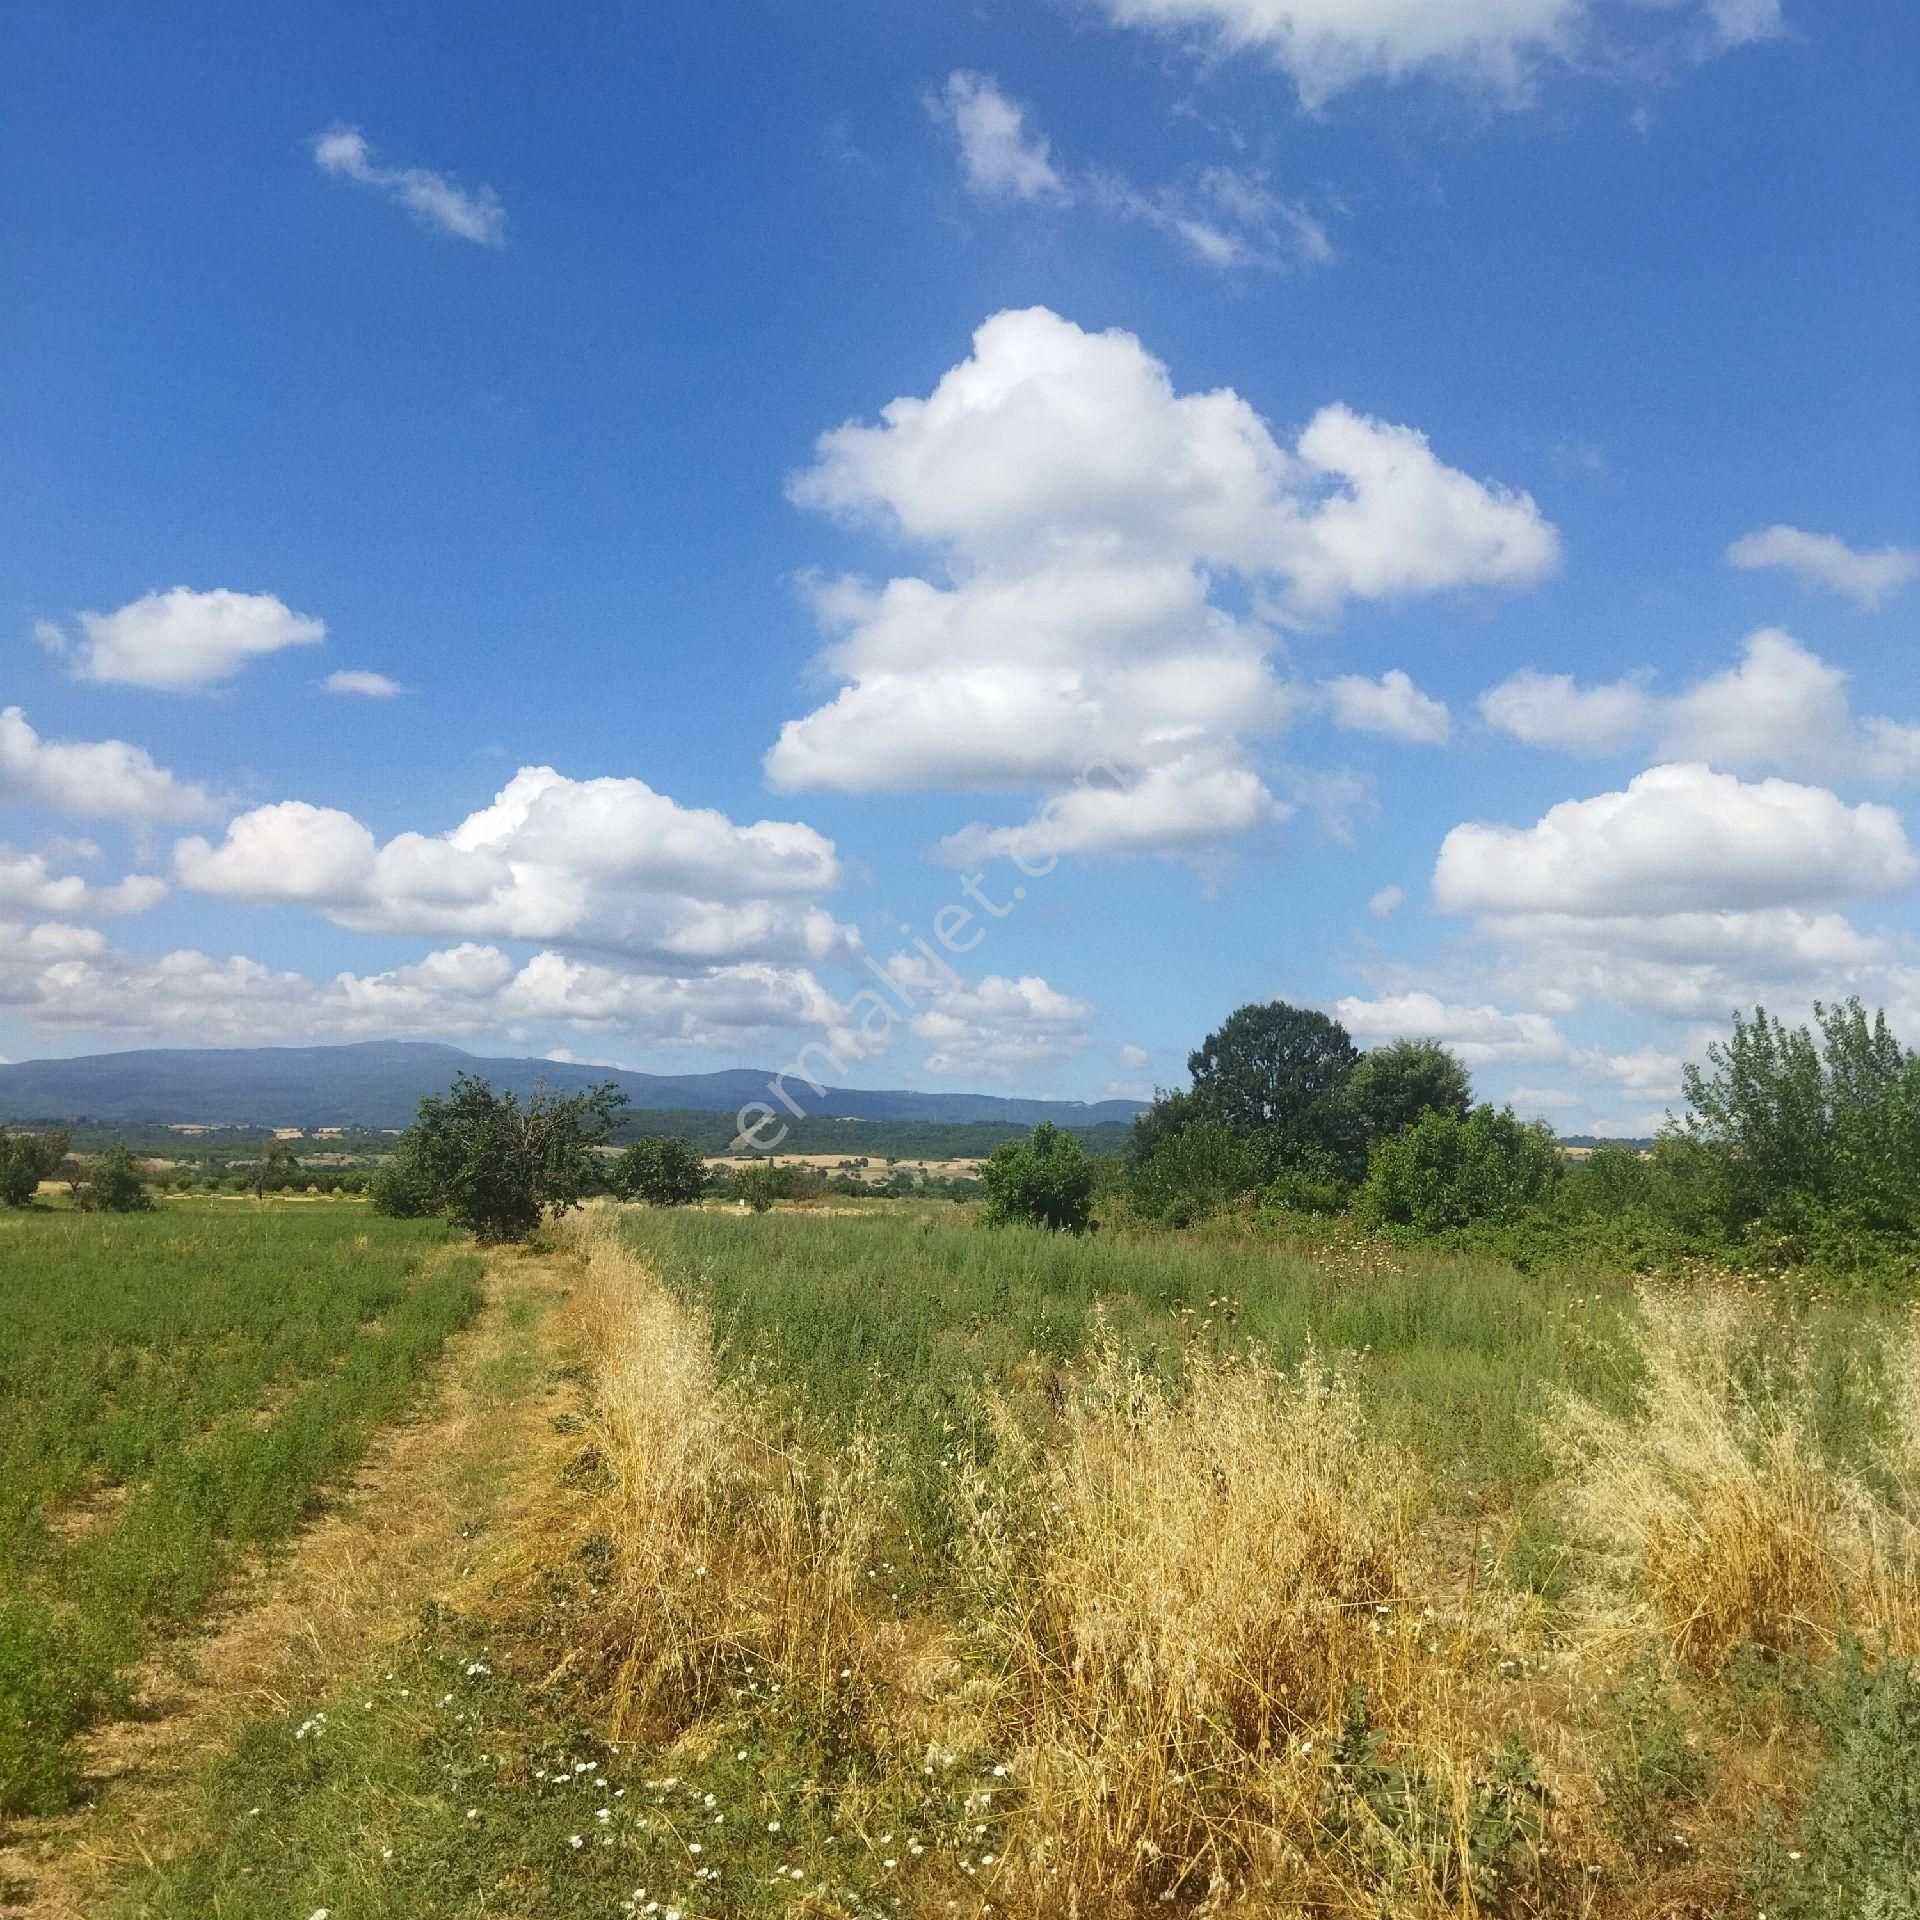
(756, 1185)
(663, 1171)
(400, 1188)
(112, 1184)
(1045, 1180)
(1444, 1173)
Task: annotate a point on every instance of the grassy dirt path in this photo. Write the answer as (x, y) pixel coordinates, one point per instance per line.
(436, 1496)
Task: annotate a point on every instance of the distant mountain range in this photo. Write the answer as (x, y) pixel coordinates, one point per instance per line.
(378, 1084)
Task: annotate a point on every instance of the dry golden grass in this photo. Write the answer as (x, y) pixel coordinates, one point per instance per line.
(714, 1547)
(1166, 1602)
(1189, 1591)
(1721, 1521)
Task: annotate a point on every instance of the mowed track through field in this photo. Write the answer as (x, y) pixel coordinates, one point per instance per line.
(419, 1514)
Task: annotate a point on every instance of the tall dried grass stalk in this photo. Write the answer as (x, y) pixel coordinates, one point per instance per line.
(1185, 1594)
(1719, 1515)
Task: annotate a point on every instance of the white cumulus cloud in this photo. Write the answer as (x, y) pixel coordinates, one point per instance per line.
(1679, 839)
(96, 779)
(1325, 46)
(183, 640)
(29, 886)
(1083, 514)
(1781, 706)
(607, 864)
(1478, 1034)
(1391, 705)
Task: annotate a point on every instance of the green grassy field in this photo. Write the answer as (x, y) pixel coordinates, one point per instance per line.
(893, 1320)
(174, 1389)
(887, 1565)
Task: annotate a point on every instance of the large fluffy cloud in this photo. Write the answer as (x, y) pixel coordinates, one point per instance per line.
(182, 640)
(1085, 515)
(607, 864)
(1685, 895)
(95, 779)
(1326, 45)
(1781, 706)
(1678, 839)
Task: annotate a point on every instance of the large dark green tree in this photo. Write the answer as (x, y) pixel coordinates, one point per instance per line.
(1394, 1085)
(498, 1166)
(1277, 1075)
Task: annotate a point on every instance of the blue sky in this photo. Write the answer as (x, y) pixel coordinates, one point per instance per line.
(1405, 507)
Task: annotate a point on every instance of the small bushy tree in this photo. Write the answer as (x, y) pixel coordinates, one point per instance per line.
(756, 1185)
(497, 1166)
(112, 1184)
(1444, 1173)
(1394, 1085)
(1809, 1136)
(1195, 1171)
(1045, 1180)
(25, 1160)
(662, 1170)
(275, 1168)
(399, 1187)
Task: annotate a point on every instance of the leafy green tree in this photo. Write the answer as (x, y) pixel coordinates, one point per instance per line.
(1169, 1115)
(1045, 1180)
(1195, 1171)
(25, 1160)
(112, 1184)
(1277, 1074)
(1809, 1135)
(275, 1168)
(1394, 1085)
(1443, 1172)
(663, 1171)
(498, 1167)
(756, 1185)
(400, 1188)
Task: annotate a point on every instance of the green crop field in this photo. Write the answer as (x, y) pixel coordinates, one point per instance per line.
(175, 1388)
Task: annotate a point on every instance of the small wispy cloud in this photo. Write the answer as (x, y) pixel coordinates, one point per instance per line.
(1821, 560)
(355, 680)
(1225, 218)
(999, 154)
(477, 216)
